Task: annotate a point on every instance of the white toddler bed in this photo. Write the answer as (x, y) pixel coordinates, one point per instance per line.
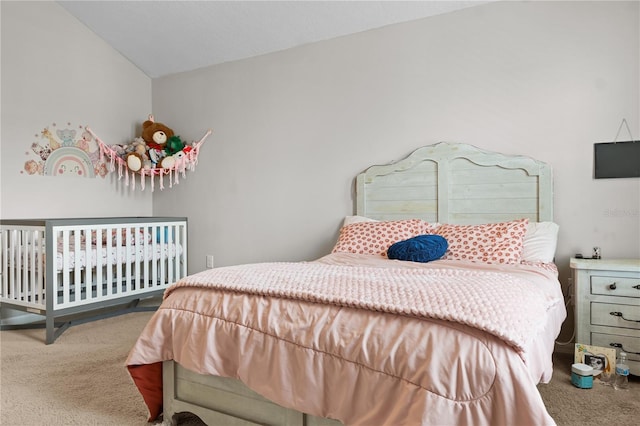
(357, 338)
(58, 268)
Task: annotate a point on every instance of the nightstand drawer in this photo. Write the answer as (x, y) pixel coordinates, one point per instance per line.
(614, 315)
(615, 286)
(628, 344)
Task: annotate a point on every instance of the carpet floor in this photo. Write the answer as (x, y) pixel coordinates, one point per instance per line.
(569, 405)
(78, 380)
(81, 380)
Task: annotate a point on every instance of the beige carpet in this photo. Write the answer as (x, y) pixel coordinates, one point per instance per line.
(37, 386)
(78, 380)
(600, 405)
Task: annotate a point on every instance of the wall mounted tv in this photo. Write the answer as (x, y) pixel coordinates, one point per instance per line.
(616, 160)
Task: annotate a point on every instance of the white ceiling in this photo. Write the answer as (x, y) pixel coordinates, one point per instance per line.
(167, 37)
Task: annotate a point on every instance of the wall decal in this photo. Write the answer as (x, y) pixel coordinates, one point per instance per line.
(67, 151)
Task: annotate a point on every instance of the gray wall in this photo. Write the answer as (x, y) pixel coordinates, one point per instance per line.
(292, 129)
(54, 70)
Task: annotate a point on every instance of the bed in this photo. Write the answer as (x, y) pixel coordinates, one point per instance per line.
(59, 271)
(358, 338)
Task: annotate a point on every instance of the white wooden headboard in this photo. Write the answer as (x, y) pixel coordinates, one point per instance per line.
(457, 183)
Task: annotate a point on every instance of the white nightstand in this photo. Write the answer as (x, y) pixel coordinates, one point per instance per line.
(607, 305)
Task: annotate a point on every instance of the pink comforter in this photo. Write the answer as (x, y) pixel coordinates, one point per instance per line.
(366, 340)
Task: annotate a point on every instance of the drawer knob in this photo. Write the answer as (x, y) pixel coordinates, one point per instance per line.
(619, 345)
(621, 315)
(612, 286)
(637, 287)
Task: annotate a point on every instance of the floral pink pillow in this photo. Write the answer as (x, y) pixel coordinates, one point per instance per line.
(489, 243)
(376, 237)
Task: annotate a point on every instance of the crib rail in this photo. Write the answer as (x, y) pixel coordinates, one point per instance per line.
(87, 263)
(22, 275)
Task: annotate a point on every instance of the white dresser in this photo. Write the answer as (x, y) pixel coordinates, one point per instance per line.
(607, 305)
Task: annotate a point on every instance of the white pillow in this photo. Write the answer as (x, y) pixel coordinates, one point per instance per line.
(348, 220)
(539, 243)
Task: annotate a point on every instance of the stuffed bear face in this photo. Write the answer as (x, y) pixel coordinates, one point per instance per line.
(160, 137)
(157, 133)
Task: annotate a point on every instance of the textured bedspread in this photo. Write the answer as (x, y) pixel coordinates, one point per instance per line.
(364, 340)
(490, 301)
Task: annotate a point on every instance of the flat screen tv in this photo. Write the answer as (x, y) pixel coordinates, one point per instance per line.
(616, 160)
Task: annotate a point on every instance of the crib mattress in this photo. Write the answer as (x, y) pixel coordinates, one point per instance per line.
(115, 255)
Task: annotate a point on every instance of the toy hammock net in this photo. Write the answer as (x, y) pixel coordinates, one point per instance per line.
(187, 161)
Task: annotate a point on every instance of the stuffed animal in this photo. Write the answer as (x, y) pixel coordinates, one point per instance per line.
(136, 155)
(156, 148)
(156, 136)
(173, 151)
(165, 147)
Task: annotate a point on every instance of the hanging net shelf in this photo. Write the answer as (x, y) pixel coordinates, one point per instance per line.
(184, 158)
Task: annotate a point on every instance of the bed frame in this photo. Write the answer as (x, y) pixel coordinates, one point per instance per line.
(448, 183)
(458, 184)
(44, 274)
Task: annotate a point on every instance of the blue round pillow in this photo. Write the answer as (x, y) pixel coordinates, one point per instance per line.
(423, 248)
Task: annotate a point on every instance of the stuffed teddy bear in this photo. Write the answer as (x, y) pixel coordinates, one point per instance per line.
(136, 155)
(158, 147)
(156, 135)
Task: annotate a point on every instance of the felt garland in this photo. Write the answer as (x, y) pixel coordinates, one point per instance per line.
(188, 162)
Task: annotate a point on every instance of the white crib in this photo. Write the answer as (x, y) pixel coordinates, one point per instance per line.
(60, 268)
